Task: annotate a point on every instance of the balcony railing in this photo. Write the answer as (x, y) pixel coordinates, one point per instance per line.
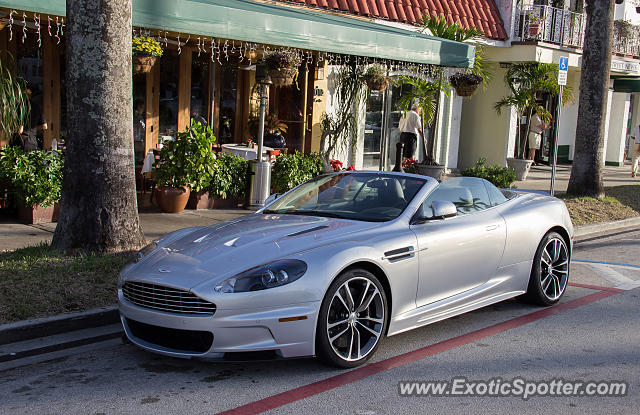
(566, 28)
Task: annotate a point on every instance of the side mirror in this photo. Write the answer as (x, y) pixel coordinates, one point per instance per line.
(271, 198)
(443, 209)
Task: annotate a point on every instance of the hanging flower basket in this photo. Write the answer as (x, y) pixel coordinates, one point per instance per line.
(465, 83)
(377, 83)
(466, 90)
(145, 51)
(143, 64)
(283, 76)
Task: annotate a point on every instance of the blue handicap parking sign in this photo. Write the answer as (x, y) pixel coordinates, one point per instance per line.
(564, 63)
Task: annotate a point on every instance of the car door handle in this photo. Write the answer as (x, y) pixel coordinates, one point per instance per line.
(491, 228)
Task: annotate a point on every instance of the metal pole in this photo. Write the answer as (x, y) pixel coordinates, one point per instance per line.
(263, 102)
(555, 142)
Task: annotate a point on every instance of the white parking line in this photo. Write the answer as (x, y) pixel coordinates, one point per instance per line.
(608, 272)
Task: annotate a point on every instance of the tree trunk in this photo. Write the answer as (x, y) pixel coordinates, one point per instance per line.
(99, 210)
(586, 172)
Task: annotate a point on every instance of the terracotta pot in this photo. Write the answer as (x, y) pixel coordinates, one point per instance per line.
(38, 214)
(172, 199)
(534, 29)
(431, 171)
(520, 166)
(142, 64)
(282, 76)
(377, 83)
(466, 90)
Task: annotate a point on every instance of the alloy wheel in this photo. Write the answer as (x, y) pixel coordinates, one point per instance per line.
(355, 319)
(554, 268)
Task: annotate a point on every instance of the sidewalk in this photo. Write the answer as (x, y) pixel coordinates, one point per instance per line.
(14, 235)
(539, 177)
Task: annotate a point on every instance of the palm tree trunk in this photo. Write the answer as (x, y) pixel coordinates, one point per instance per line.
(586, 171)
(98, 209)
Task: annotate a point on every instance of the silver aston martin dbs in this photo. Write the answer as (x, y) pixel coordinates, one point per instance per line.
(331, 267)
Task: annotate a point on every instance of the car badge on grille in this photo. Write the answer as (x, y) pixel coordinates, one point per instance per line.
(164, 270)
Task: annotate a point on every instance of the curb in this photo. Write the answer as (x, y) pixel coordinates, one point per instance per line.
(62, 323)
(589, 229)
(48, 326)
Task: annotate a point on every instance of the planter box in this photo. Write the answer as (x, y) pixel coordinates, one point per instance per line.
(431, 171)
(201, 200)
(38, 214)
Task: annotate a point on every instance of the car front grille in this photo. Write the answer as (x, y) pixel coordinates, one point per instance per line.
(175, 339)
(159, 297)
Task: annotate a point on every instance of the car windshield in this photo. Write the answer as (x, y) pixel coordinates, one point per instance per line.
(370, 197)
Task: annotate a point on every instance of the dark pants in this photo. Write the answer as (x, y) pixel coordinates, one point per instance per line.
(410, 141)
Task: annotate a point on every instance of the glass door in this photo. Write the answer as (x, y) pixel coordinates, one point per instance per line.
(373, 125)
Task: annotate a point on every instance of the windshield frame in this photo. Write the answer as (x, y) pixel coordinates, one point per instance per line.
(422, 181)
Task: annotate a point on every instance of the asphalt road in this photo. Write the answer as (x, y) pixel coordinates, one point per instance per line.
(593, 334)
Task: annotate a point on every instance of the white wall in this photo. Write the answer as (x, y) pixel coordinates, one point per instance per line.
(618, 128)
(453, 145)
(607, 123)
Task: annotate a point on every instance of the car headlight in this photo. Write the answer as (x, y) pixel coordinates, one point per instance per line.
(273, 274)
(146, 251)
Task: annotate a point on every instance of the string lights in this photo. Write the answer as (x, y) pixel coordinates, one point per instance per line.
(220, 49)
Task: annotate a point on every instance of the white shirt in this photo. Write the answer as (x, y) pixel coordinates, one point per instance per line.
(412, 123)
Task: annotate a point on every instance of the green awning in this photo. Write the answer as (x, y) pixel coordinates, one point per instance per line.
(283, 25)
(626, 84)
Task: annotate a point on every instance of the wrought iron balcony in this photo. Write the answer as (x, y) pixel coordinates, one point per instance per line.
(561, 27)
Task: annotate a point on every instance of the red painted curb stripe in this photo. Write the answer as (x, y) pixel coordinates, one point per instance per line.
(325, 385)
(596, 287)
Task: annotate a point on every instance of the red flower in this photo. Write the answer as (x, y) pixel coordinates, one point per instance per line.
(350, 168)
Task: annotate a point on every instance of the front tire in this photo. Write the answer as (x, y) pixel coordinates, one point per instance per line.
(352, 319)
(550, 271)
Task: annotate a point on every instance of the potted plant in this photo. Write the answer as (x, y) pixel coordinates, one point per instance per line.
(186, 164)
(534, 24)
(274, 128)
(283, 67)
(228, 181)
(145, 51)
(290, 170)
(526, 82)
(34, 178)
(410, 166)
(376, 77)
(465, 83)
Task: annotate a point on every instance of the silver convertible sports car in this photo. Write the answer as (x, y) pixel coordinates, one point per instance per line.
(331, 267)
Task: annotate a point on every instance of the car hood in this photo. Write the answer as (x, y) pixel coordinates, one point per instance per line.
(225, 249)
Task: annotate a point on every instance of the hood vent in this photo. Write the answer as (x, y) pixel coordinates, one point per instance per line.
(316, 228)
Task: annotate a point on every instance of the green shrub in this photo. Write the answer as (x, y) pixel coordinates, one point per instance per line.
(229, 176)
(35, 177)
(290, 170)
(501, 177)
(188, 160)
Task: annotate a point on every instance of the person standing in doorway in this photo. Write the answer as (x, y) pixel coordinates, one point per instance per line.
(535, 134)
(410, 126)
(635, 150)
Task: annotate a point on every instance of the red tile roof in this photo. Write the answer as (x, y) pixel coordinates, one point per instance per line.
(482, 14)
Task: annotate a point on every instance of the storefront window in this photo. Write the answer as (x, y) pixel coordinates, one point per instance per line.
(139, 116)
(29, 60)
(200, 80)
(228, 95)
(168, 109)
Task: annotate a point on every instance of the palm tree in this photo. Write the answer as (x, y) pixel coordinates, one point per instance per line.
(15, 106)
(527, 82)
(98, 209)
(586, 171)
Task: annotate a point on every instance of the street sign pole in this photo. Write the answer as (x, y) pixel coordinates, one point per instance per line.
(563, 69)
(555, 143)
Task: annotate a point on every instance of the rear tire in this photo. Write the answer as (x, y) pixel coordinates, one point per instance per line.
(550, 271)
(352, 319)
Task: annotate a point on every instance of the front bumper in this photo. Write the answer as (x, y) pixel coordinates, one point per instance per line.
(233, 331)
